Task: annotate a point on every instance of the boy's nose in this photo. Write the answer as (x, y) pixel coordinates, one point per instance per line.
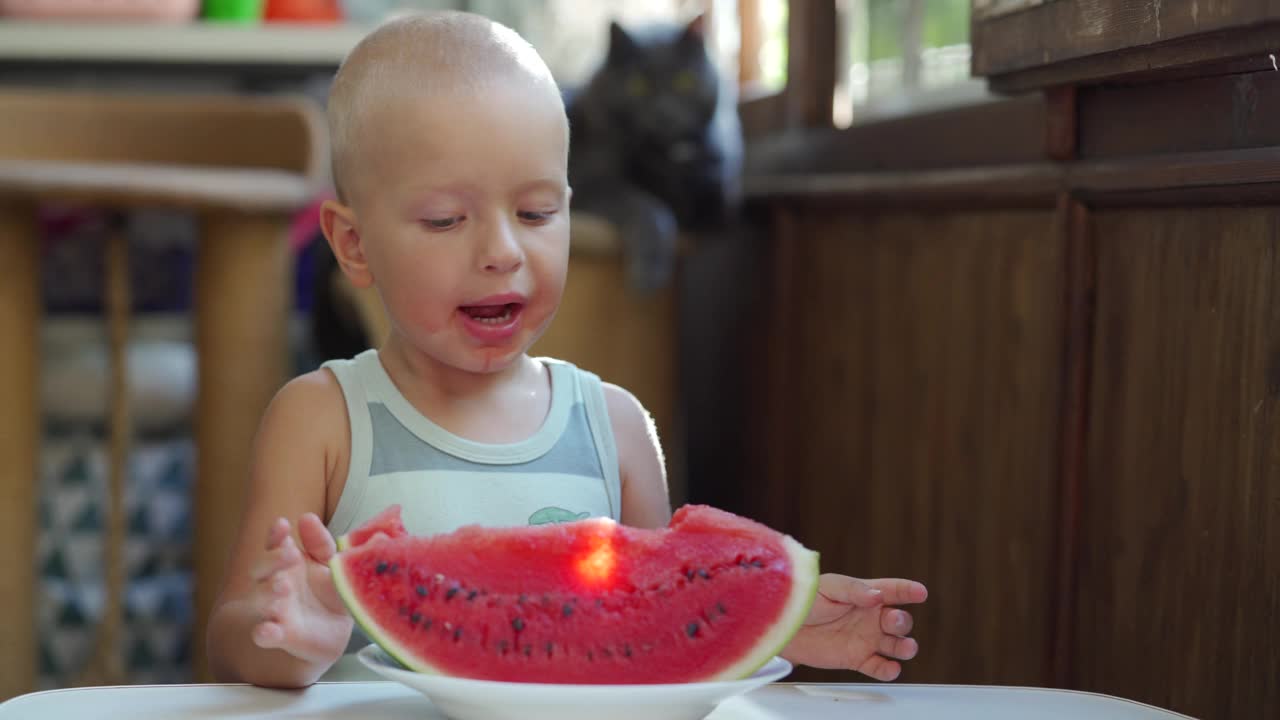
(502, 252)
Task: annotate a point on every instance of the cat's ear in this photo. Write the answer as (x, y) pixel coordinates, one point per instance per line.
(696, 30)
(621, 45)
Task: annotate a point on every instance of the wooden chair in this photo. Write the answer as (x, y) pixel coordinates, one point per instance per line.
(244, 165)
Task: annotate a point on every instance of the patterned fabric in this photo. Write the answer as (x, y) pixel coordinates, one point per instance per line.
(72, 512)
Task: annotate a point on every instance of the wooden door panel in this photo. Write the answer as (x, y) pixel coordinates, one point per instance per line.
(920, 434)
(1179, 579)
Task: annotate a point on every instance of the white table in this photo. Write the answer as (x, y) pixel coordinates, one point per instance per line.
(391, 701)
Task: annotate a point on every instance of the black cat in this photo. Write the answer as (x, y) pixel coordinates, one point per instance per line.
(656, 145)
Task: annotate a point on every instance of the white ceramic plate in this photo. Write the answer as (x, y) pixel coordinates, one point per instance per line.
(463, 699)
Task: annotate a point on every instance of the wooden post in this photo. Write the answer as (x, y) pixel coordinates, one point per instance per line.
(811, 63)
(242, 302)
(106, 667)
(749, 70)
(912, 16)
(19, 424)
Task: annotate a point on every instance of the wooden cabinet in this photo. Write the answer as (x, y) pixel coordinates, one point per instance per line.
(918, 380)
(1045, 383)
(1178, 586)
(1023, 45)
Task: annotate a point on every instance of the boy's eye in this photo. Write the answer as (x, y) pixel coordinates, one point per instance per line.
(685, 82)
(535, 217)
(441, 223)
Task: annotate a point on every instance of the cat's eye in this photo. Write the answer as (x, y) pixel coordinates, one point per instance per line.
(684, 82)
(637, 86)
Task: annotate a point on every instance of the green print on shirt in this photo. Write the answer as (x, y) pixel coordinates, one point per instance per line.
(548, 515)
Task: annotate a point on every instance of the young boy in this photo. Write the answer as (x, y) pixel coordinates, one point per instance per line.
(450, 149)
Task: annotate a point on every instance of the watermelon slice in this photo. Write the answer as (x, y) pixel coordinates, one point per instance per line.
(387, 522)
(712, 596)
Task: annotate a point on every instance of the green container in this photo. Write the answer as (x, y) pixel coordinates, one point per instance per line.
(241, 11)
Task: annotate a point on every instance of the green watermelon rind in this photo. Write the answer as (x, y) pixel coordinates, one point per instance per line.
(401, 655)
(804, 591)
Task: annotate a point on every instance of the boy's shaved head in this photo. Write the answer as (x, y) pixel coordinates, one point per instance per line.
(421, 55)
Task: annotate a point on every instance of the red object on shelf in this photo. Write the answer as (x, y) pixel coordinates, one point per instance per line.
(302, 11)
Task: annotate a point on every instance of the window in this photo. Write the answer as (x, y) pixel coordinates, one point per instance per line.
(892, 57)
(900, 56)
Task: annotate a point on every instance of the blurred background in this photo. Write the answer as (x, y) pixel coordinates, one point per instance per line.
(989, 306)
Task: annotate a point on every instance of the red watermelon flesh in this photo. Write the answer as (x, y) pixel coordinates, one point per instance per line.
(711, 597)
(386, 522)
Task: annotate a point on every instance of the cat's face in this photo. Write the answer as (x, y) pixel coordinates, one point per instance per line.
(660, 85)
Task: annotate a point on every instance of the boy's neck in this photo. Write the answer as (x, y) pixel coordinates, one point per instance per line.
(434, 379)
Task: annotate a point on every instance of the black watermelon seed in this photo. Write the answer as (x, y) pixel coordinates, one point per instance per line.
(518, 624)
(626, 651)
(422, 591)
(549, 646)
(757, 563)
(691, 629)
(452, 591)
(522, 598)
(382, 567)
(606, 652)
(527, 650)
(599, 602)
(704, 574)
(567, 610)
(457, 634)
(720, 609)
(472, 595)
(688, 573)
(415, 618)
(591, 657)
(502, 646)
(426, 624)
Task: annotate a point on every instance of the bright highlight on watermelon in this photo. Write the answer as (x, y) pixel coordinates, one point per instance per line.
(712, 596)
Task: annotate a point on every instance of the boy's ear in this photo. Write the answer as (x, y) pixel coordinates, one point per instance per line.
(338, 222)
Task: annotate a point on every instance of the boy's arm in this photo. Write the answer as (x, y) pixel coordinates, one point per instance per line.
(645, 503)
(853, 623)
(298, 447)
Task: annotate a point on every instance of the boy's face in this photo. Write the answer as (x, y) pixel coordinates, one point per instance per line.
(463, 216)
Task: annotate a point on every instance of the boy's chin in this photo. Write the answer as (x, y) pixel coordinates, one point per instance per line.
(492, 360)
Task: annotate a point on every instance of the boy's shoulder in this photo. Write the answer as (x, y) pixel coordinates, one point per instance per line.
(617, 398)
(318, 383)
(312, 399)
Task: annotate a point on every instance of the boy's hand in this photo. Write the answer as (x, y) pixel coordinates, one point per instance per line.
(299, 609)
(853, 626)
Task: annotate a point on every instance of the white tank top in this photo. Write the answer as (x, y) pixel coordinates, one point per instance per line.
(567, 470)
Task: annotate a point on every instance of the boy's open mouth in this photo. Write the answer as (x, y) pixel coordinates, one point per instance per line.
(492, 314)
